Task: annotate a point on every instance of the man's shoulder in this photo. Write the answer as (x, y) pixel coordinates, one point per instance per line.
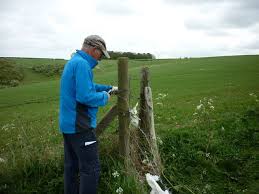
(77, 60)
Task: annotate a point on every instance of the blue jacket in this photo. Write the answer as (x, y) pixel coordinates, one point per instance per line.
(80, 97)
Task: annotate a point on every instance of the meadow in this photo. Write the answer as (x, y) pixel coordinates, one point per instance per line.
(206, 120)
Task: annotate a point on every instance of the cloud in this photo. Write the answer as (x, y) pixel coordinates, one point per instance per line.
(241, 14)
(191, 2)
(115, 7)
(166, 28)
(224, 15)
(252, 45)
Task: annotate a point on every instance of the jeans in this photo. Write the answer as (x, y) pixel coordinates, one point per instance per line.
(81, 163)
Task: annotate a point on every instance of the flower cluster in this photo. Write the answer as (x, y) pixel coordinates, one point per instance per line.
(207, 189)
(159, 140)
(160, 97)
(254, 96)
(115, 174)
(2, 160)
(205, 104)
(147, 162)
(204, 108)
(119, 190)
(8, 126)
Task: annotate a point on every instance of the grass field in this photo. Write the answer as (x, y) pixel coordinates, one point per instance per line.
(207, 150)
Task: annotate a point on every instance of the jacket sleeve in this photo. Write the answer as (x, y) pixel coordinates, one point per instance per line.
(101, 87)
(85, 91)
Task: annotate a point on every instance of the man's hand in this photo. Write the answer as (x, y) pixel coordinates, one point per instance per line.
(114, 90)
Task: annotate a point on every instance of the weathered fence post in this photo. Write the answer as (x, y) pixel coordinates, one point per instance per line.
(144, 82)
(123, 108)
(152, 133)
(147, 135)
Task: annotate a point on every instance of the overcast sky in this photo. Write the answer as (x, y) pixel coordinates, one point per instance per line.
(165, 28)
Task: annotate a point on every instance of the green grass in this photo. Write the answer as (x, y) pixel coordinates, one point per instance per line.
(30, 62)
(32, 145)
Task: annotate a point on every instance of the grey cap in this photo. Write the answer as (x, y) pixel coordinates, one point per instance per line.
(97, 42)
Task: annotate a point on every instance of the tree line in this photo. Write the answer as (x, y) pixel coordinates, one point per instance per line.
(130, 55)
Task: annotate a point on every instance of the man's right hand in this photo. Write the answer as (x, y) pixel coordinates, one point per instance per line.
(113, 91)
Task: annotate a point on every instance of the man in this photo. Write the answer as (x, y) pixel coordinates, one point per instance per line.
(80, 98)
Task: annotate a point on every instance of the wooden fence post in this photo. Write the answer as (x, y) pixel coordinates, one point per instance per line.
(143, 132)
(152, 133)
(123, 108)
(147, 135)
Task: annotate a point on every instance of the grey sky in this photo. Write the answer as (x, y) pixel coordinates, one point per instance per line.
(166, 28)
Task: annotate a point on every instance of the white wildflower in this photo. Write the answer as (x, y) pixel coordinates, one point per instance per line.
(161, 96)
(251, 94)
(12, 126)
(212, 107)
(207, 155)
(173, 155)
(115, 174)
(199, 106)
(208, 187)
(119, 190)
(145, 161)
(8, 126)
(159, 140)
(2, 160)
(5, 127)
(195, 113)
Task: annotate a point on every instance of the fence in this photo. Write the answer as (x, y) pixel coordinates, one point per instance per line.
(137, 137)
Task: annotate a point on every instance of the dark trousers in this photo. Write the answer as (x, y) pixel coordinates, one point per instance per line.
(81, 163)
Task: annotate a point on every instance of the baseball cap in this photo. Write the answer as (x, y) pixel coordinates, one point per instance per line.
(97, 42)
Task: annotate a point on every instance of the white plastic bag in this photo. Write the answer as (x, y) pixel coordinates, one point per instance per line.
(152, 181)
(134, 120)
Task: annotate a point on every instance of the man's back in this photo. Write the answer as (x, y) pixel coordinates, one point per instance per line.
(79, 100)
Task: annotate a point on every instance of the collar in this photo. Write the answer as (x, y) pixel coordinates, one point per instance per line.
(92, 61)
